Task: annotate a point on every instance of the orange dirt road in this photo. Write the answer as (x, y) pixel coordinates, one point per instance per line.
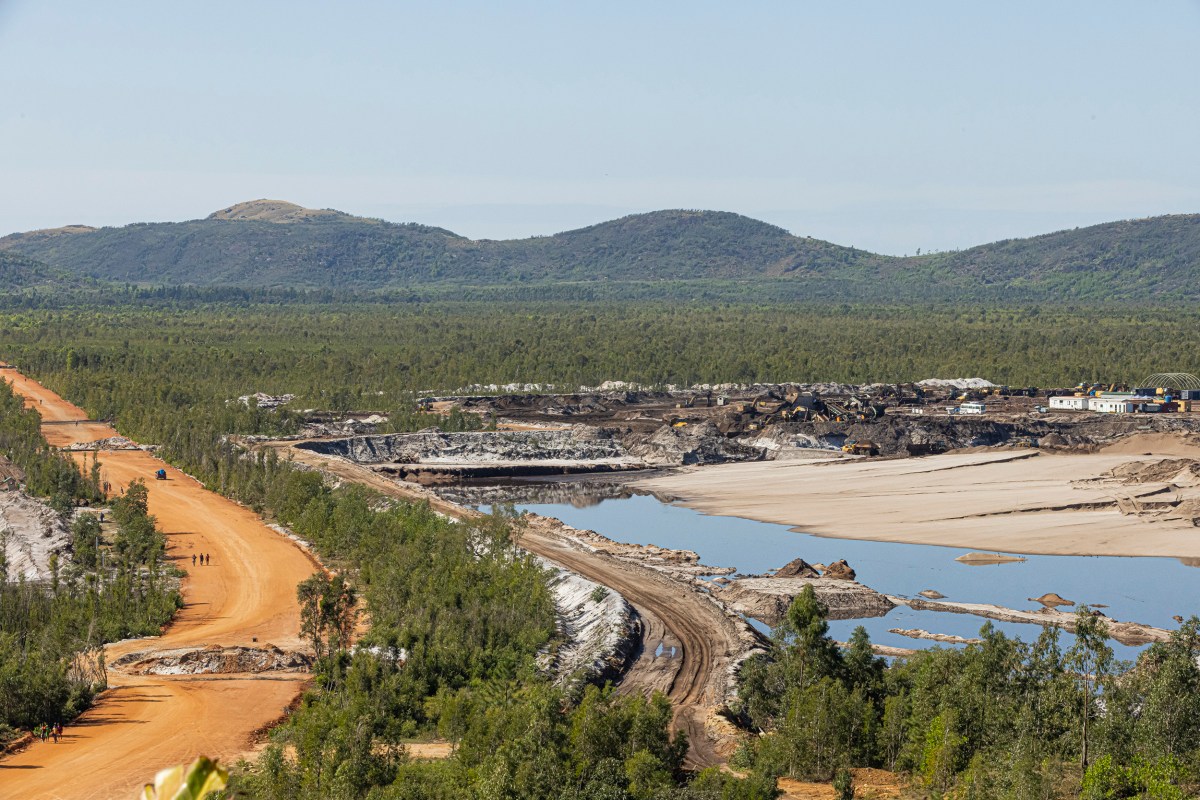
(144, 723)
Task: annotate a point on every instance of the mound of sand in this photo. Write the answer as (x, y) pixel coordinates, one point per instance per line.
(1153, 444)
(988, 558)
(1052, 599)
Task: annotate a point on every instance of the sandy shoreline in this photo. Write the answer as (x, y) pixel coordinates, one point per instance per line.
(1009, 501)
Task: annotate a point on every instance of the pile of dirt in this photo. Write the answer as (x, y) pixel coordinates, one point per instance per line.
(578, 443)
(676, 563)
(1052, 599)
(351, 426)
(213, 660)
(840, 570)
(928, 434)
(768, 598)
(692, 444)
(797, 569)
(111, 443)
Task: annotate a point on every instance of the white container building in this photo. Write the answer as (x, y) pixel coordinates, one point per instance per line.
(1111, 405)
(1070, 403)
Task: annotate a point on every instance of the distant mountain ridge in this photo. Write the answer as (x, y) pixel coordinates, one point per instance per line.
(272, 243)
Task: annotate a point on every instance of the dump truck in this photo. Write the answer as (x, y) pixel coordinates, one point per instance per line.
(860, 448)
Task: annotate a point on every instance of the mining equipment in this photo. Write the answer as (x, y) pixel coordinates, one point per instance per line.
(860, 448)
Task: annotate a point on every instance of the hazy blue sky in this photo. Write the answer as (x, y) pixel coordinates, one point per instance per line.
(885, 125)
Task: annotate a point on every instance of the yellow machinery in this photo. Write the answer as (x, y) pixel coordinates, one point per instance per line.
(862, 448)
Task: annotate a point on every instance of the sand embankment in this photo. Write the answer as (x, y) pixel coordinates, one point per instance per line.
(1009, 501)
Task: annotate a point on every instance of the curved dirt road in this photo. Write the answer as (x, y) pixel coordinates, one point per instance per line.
(144, 723)
(688, 643)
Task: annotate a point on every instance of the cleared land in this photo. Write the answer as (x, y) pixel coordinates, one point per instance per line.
(247, 597)
(1012, 501)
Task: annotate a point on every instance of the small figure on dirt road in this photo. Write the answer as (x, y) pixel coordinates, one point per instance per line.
(193, 559)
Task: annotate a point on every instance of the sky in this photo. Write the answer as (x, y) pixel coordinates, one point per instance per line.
(883, 125)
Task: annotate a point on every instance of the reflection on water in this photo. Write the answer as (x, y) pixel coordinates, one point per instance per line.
(582, 493)
(1146, 590)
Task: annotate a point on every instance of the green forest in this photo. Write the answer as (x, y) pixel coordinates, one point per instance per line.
(378, 355)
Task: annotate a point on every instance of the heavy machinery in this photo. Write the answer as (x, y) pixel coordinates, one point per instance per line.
(853, 409)
(860, 448)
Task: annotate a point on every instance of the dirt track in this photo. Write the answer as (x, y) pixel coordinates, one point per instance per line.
(688, 644)
(144, 723)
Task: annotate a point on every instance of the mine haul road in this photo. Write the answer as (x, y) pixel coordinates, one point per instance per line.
(688, 643)
(247, 597)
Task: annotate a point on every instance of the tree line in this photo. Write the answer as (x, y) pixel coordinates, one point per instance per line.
(109, 585)
(1001, 719)
(377, 357)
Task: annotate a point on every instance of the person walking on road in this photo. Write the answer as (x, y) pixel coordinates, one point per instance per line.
(193, 559)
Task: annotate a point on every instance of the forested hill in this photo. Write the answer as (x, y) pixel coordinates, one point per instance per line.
(22, 272)
(272, 244)
(266, 243)
(1143, 259)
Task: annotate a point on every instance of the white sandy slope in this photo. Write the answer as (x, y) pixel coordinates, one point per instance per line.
(31, 533)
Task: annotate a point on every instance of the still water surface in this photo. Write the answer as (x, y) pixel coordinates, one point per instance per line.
(1146, 590)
